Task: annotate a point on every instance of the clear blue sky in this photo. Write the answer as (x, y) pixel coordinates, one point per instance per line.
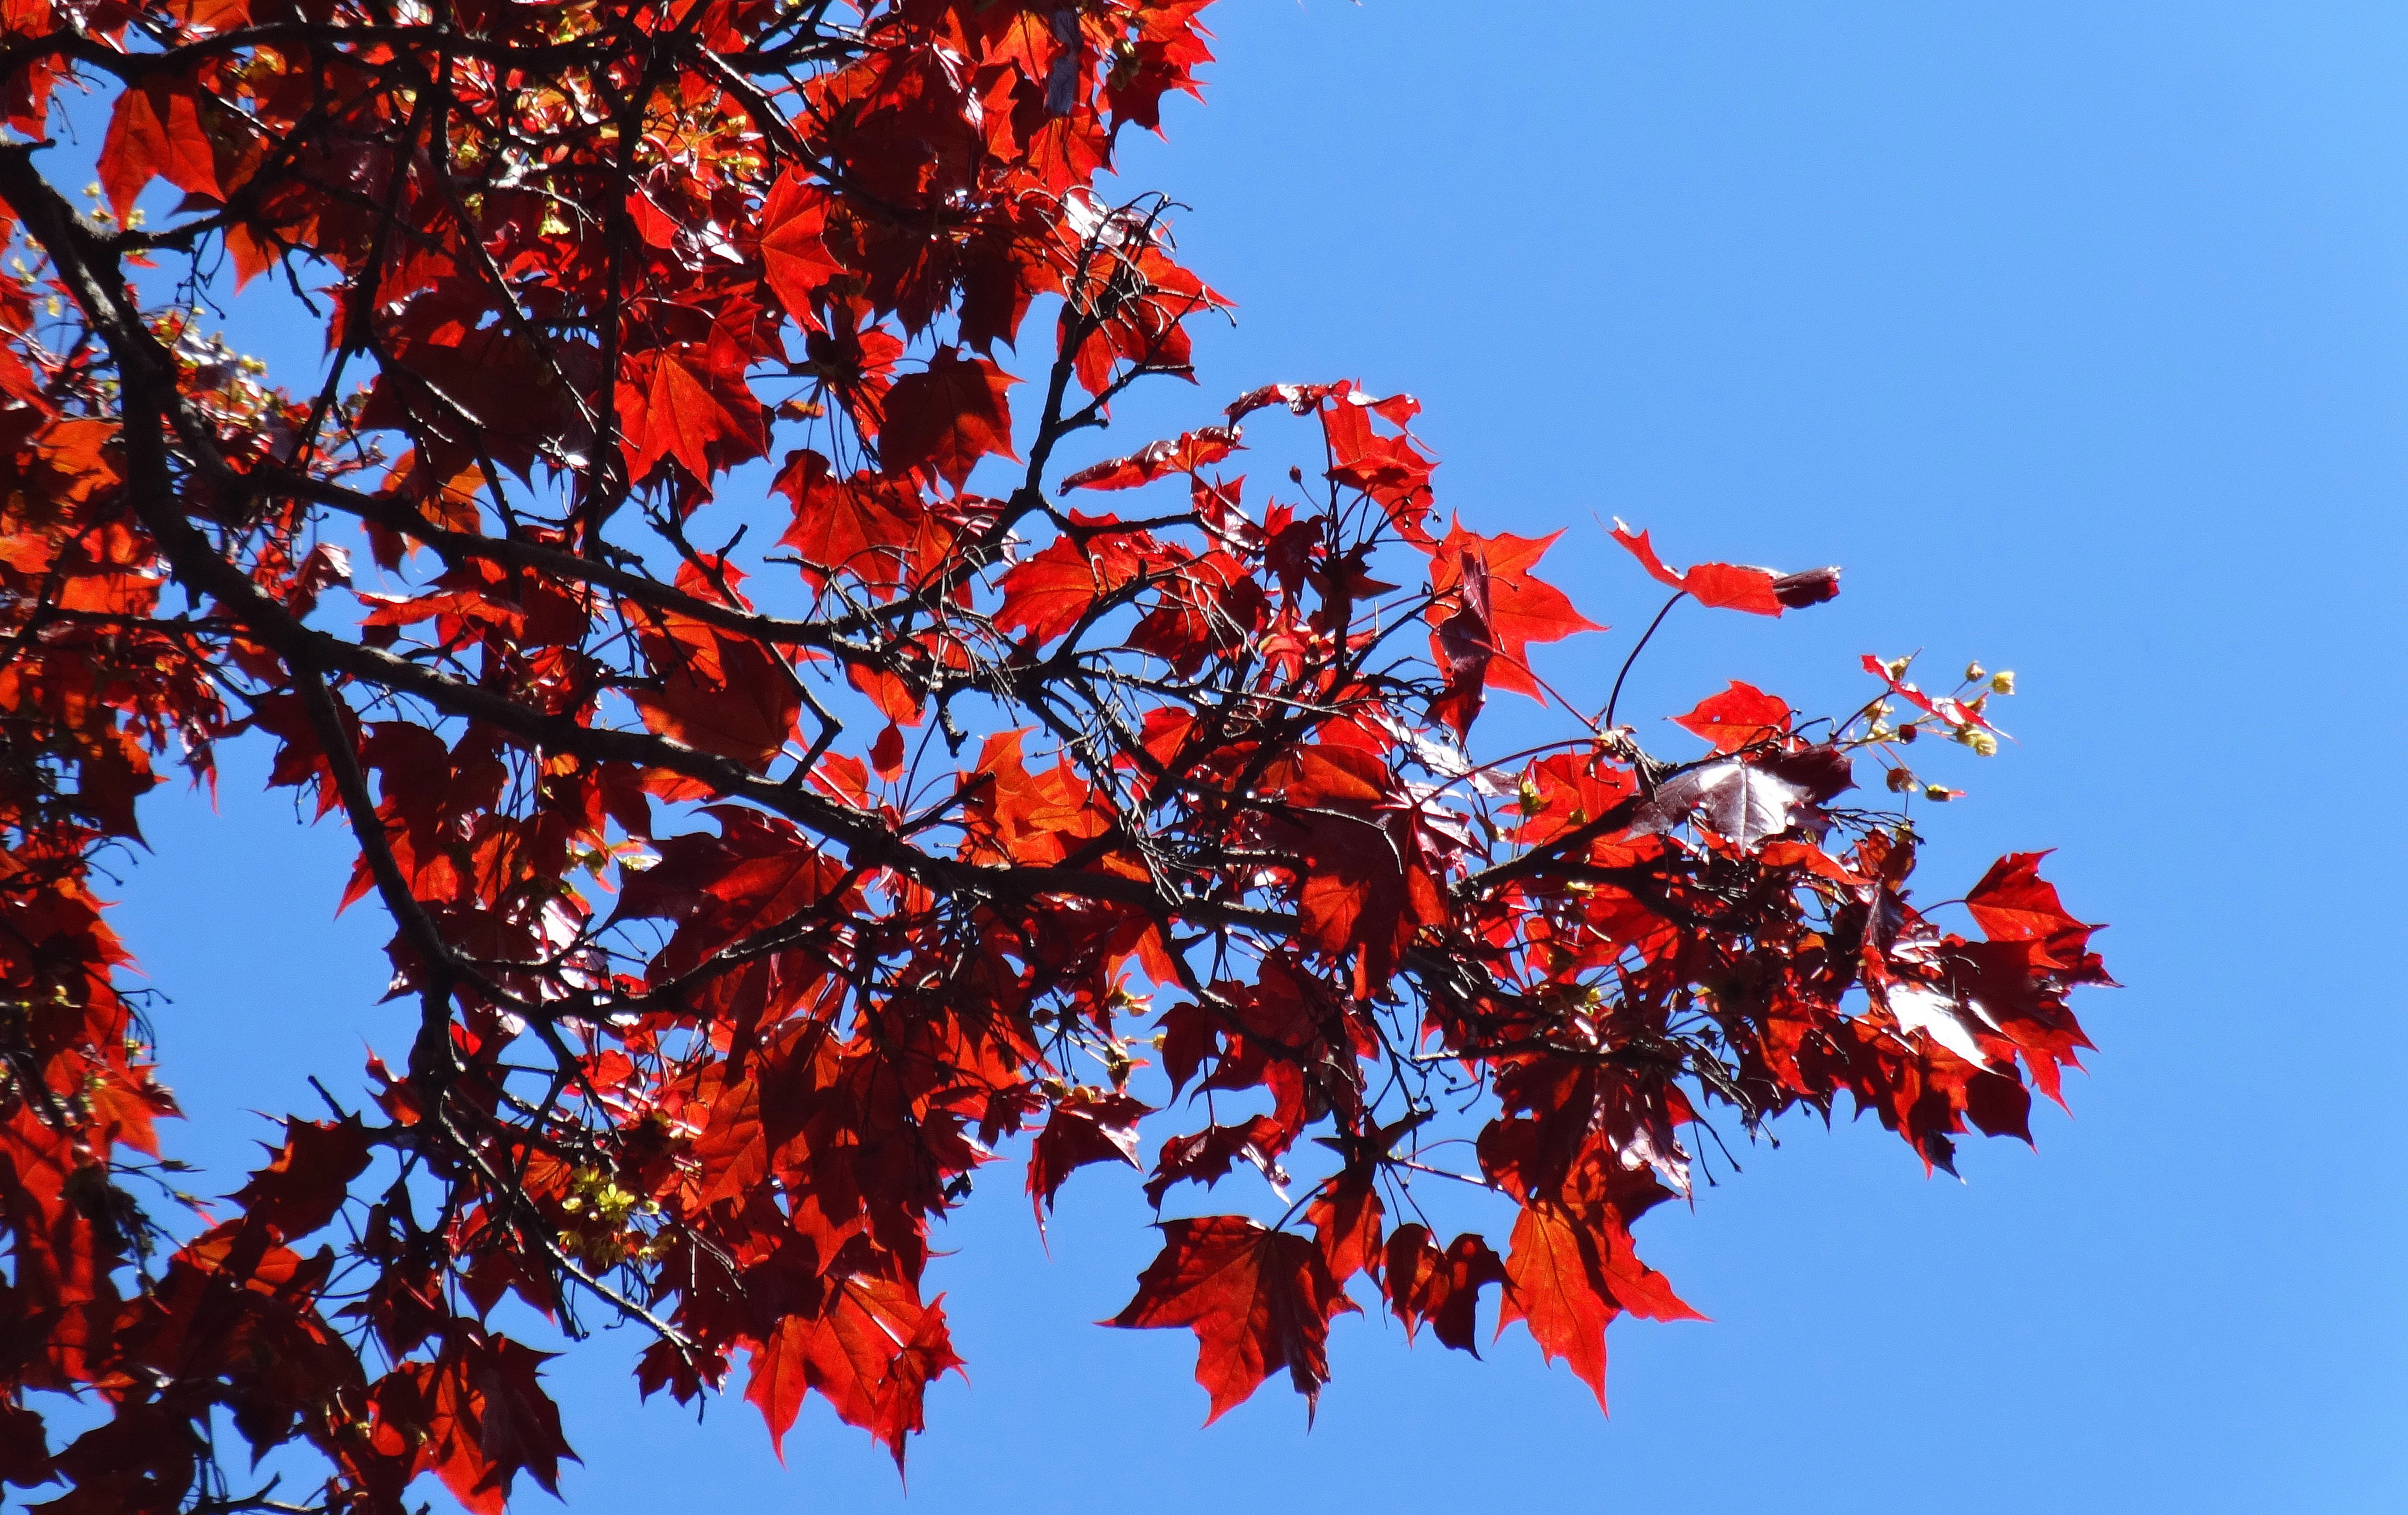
(2079, 334)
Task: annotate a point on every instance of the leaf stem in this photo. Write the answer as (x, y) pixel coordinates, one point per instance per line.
(1615, 698)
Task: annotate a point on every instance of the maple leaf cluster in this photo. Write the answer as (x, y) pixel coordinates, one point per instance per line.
(755, 900)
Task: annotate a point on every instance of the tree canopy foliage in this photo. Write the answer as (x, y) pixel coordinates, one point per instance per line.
(756, 897)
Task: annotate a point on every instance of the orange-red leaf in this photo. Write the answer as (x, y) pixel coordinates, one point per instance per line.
(794, 255)
(696, 411)
(1046, 595)
(1192, 451)
(2014, 903)
(305, 1184)
(1727, 586)
(1740, 716)
(1570, 1271)
(488, 1420)
(1553, 1284)
(862, 526)
(156, 130)
(870, 1349)
(1521, 609)
(1257, 1300)
(743, 708)
(1346, 1217)
(886, 753)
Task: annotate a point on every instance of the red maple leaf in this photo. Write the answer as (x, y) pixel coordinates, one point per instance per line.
(1257, 1300)
(1191, 450)
(1731, 587)
(738, 703)
(945, 419)
(870, 1348)
(1740, 716)
(161, 128)
(795, 256)
(1345, 1217)
(309, 1178)
(1570, 1272)
(694, 408)
(1084, 1126)
(2014, 903)
(1521, 608)
(862, 526)
(1441, 1289)
(1048, 593)
(487, 1421)
(886, 753)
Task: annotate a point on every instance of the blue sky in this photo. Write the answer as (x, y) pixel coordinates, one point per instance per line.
(2079, 335)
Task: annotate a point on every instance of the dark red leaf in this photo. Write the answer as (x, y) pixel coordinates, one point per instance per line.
(1258, 1301)
(1084, 1126)
(947, 418)
(309, 1178)
(1424, 1285)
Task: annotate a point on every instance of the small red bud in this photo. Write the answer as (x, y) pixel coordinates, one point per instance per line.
(1799, 590)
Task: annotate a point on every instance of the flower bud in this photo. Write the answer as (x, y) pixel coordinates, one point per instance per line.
(1813, 587)
(2003, 681)
(1976, 673)
(1984, 743)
